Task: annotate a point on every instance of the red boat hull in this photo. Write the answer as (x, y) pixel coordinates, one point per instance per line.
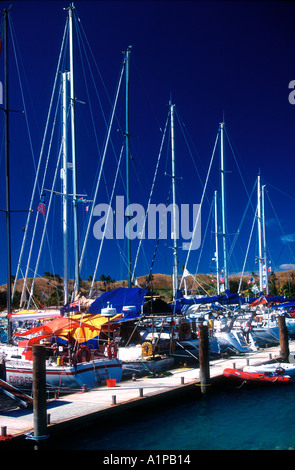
(253, 377)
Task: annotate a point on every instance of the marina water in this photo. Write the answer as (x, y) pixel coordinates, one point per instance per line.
(231, 418)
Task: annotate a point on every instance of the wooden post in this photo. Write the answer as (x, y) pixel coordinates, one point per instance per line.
(284, 340)
(39, 391)
(204, 358)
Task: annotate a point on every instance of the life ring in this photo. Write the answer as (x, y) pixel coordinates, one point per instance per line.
(84, 352)
(147, 349)
(112, 350)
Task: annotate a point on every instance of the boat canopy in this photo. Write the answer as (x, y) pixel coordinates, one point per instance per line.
(285, 305)
(119, 298)
(30, 315)
(57, 327)
(226, 298)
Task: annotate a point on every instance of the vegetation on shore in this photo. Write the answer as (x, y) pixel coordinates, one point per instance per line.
(48, 290)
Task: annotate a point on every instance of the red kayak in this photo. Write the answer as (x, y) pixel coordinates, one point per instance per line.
(254, 377)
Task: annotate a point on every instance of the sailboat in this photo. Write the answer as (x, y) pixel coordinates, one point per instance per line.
(71, 365)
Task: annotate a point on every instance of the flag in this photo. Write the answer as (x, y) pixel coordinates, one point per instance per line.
(41, 208)
(41, 205)
(261, 301)
(255, 289)
(71, 307)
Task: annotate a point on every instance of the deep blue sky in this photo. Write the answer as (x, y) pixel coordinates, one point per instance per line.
(235, 58)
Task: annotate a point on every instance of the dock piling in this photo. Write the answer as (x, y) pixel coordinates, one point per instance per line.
(284, 341)
(39, 392)
(204, 358)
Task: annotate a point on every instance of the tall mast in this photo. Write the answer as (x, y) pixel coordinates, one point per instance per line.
(64, 177)
(73, 135)
(264, 241)
(216, 244)
(174, 228)
(259, 231)
(223, 206)
(7, 175)
(127, 136)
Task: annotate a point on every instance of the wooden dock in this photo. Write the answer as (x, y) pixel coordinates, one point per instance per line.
(76, 410)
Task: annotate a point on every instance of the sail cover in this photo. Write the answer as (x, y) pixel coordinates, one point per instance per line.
(119, 298)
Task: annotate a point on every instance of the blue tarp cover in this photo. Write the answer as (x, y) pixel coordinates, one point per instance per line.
(119, 298)
(288, 304)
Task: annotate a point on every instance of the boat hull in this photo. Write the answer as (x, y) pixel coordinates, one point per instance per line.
(265, 336)
(256, 378)
(189, 350)
(275, 368)
(90, 374)
(290, 324)
(234, 341)
(141, 368)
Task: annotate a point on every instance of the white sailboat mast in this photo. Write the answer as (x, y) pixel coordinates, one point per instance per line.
(264, 240)
(64, 177)
(259, 223)
(174, 228)
(223, 206)
(73, 136)
(216, 244)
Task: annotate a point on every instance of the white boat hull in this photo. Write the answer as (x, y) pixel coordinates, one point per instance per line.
(19, 371)
(266, 335)
(289, 369)
(290, 324)
(134, 363)
(235, 341)
(189, 350)
(146, 367)
(91, 374)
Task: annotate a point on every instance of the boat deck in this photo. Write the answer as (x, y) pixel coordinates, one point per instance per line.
(75, 410)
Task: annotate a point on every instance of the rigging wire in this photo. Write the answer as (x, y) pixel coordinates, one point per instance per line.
(106, 223)
(42, 190)
(247, 251)
(45, 225)
(201, 203)
(241, 223)
(38, 167)
(280, 225)
(203, 243)
(101, 167)
(182, 126)
(150, 197)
